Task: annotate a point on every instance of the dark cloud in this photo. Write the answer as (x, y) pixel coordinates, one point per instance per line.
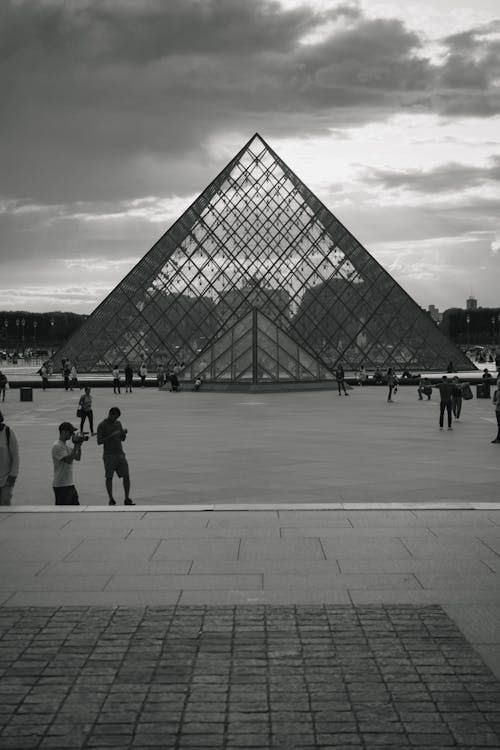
(449, 177)
(111, 99)
(467, 82)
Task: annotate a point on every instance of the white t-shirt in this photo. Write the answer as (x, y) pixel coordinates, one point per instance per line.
(63, 472)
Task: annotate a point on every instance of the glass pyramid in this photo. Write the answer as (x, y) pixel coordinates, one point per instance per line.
(258, 281)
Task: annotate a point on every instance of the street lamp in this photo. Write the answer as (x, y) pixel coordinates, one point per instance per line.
(35, 325)
(52, 323)
(6, 326)
(467, 320)
(493, 318)
(23, 323)
(17, 333)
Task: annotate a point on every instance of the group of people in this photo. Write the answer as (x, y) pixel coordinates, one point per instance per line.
(68, 448)
(451, 392)
(111, 435)
(161, 376)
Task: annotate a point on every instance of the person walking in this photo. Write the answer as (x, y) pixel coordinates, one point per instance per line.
(392, 382)
(9, 461)
(111, 434)
(62, 459)
(85, 410)
(340, 378)
(129, 377)
(496, 405)
(143, 372)
(116, 379)
(3, 384)
(456, 397)
(445, 388)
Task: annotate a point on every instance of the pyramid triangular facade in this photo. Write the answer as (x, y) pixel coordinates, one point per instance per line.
(258, 239)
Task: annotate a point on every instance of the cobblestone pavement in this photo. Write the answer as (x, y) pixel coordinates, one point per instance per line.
(200, 677)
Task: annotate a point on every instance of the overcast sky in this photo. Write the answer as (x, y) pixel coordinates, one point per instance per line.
(115, 114)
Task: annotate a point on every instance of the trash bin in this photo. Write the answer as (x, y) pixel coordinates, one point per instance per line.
(483, 390)
(26, 394)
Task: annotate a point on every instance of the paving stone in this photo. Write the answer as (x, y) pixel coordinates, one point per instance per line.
(236, 676)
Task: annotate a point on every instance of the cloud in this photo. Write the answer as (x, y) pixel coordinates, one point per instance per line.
(97, 93)
(450, 177)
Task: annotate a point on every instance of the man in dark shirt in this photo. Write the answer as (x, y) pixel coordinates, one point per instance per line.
(111, 434)
(446, 389)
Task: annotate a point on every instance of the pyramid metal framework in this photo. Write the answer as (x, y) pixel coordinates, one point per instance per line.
(258, 281)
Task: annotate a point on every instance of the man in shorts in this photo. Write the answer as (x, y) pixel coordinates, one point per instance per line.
(111, 434)
(62, 458)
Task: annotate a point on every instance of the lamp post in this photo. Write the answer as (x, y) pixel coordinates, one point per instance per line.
(498, 328)
(493, 318)
(52, 323)
(6, 326)
(467, 321)
(17, 334)
(23, 323)
(35, 326)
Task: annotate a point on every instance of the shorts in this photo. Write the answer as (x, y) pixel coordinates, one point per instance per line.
(66, 495)
(116, 463)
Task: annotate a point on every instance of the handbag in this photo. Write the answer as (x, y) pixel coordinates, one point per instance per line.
(79, 413)
(466, 391)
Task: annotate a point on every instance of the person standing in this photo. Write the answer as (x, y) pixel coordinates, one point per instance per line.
(129, 378)
(9, 462)
(496, 405)
(143, 372)
(44, 374)
(62, 459)
(73, 378)
(445, 391)
(111, 434)
(392, 382)
(456, 397)
(340, 378)
(3, 384)
(116, 379)
(160, 376)
(66, 373)
(85, 410)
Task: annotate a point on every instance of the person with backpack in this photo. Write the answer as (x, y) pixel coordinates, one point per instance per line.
(9, 462)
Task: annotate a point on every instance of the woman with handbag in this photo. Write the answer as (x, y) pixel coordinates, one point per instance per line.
(84, 410)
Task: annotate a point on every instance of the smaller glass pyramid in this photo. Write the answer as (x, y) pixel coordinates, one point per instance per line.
(259, 281)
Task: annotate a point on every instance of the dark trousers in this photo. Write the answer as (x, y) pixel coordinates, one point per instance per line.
(87, 415)
(444, 405)
(498, 424)
(457, 406)
(66, 495)
(341, 384)
(116, 385)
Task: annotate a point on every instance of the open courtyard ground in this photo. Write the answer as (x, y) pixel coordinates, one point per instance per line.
(307, 447)
(198, 619)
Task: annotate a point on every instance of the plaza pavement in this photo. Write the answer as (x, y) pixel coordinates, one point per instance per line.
(223, 618)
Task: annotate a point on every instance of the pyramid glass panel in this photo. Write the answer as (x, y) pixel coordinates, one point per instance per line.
(258, 258)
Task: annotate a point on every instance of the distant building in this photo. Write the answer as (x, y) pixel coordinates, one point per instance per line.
(436, 316)
(471, 304)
